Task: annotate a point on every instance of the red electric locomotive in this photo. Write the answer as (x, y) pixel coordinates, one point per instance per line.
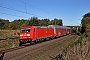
(34, 34)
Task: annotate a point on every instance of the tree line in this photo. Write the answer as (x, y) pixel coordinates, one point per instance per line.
(86, 23)
(17, 23)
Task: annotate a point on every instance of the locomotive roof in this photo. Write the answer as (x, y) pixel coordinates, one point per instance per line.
(57, 26)
(41, 26)
(49, 26)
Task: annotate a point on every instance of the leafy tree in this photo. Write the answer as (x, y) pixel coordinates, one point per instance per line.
(33, 21)
(44, 22)
(86, 15)
(86, 23)
(18, 23)
(4, 24)
(1, 25)
(56, 22)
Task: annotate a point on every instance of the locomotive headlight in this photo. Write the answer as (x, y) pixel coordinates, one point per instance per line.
(21, 34)
(28, 34)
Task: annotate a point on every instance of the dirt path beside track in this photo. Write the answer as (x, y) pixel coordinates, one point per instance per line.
(41, 51)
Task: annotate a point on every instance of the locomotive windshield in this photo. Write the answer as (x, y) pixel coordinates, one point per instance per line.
(25, 30)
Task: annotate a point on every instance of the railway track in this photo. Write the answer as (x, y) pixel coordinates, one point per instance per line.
(32, 48)
(45, 51)
(3, 52)
(11, 49)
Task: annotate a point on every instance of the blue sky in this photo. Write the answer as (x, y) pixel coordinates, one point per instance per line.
(70, 11)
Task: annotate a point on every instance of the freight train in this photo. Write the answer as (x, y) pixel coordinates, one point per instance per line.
(34, 34)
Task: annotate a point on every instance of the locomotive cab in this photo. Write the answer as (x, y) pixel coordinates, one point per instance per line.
(26, 34)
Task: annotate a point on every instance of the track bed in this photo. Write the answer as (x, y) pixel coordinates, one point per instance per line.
(42, 51)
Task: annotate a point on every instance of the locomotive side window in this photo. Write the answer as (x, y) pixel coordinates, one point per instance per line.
(34, 29)
(26, 30)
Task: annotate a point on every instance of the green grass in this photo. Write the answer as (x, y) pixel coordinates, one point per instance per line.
(70, 45)
(83, 38)
(9, 43)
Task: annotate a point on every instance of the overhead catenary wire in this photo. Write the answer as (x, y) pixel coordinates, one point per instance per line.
(26, 12)
(77, 24)
(42, 10)
(74, 21)
(33, 6)
(37, 8)
(12, 15)
(20, 11)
